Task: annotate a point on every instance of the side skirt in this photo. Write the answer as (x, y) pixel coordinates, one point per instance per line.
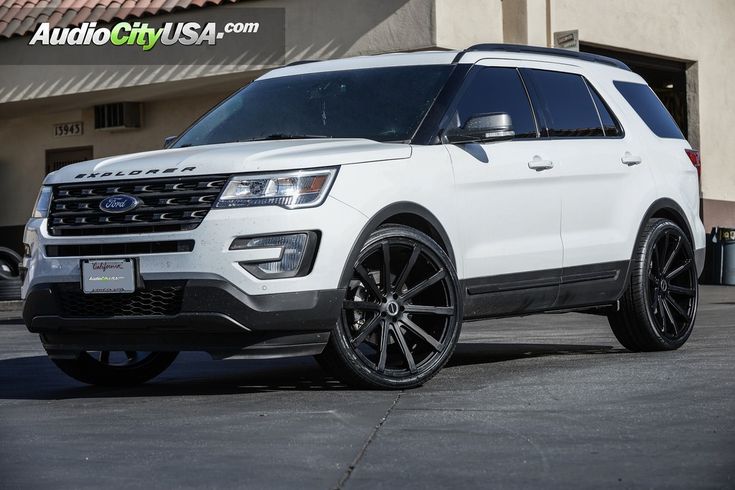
(571, 288)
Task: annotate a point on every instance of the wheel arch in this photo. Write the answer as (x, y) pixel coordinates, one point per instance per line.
(661, 208)
(669, 209)
(400, 213)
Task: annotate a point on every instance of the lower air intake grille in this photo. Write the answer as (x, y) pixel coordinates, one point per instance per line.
(152, 301)
(170, 204)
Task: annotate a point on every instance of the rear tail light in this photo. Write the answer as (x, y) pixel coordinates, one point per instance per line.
(696, 160)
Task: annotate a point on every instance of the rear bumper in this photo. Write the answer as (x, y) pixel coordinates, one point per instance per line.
(199, 315)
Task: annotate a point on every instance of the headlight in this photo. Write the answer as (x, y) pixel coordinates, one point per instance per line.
(292, 190)
(43, 202)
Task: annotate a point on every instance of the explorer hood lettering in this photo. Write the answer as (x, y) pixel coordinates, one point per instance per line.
(153, 171)
(231, 158)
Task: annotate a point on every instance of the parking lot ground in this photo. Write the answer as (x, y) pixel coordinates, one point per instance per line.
(547, 401)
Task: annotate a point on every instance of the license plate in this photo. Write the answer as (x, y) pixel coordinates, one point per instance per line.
(108, 276)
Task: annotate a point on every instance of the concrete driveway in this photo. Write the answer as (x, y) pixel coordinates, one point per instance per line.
(548, 401)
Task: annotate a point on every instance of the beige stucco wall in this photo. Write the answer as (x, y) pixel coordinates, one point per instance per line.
(701, 31)
(462, 23)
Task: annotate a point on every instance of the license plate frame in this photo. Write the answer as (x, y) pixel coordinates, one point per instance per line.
(108, 276)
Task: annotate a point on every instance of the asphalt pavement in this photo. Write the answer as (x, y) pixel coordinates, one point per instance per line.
(547, 401)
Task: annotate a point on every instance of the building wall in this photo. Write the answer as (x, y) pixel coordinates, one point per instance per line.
(462, 23)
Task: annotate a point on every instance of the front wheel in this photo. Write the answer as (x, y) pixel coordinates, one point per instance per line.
(108, 368)
(401, 315)
(658, 309)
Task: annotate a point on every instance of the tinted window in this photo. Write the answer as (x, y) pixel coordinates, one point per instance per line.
(650, 108)
(566, 104)
(609, 123)
(497, 90)
(383, 104)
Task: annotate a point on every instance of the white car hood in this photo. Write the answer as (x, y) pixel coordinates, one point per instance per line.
(231, 158)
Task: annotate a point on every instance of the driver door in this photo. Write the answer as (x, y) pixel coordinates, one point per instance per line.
(509, 204)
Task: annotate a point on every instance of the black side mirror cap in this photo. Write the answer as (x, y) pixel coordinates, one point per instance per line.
(496, 126)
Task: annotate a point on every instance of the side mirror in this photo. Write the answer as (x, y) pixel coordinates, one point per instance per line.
(495, 126)
(168, 141)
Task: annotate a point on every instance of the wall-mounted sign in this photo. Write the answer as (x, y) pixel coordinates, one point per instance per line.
(69, 129)
(567, 40)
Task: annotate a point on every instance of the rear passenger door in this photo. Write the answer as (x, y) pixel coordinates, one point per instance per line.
(509, 213)
(601, 181)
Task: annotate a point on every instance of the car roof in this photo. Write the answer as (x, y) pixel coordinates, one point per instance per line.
(471, 55)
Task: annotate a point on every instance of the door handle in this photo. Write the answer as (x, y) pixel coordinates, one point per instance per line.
(630, 160)
(539, 164)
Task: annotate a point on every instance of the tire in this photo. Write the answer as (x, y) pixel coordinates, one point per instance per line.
(659, 306)
(9, 263)
(397, 329)
(101, 370)
(10, 282)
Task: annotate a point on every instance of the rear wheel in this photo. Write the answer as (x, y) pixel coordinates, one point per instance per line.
(112, 368)
(401, 315)
(658, 309)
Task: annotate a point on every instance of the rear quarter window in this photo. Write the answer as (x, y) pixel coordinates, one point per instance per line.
(609, 122)
(644, 101)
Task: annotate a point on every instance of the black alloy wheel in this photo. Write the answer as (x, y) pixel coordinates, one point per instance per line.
(658, 310)
(672, 285)
(401, 315)
(116, 368)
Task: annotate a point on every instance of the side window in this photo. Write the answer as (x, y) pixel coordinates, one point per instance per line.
(497, 90)
(609, 123)
(566, 104)
(650, 109)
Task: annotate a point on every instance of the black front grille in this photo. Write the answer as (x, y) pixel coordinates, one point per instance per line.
(173, 204)
(130, 248)
(151, 301)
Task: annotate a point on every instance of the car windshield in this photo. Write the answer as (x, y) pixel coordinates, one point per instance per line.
(382, 104)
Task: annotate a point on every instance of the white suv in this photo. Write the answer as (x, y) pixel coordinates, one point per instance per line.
(361, 209)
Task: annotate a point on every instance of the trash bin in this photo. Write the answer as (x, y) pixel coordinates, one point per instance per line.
(727, 239)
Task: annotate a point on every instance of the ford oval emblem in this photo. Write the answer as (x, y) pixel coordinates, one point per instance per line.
(121, 203)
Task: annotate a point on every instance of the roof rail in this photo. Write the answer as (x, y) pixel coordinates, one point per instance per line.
(301, 62)
(522, 48)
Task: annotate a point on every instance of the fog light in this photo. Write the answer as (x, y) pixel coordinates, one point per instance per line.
(296, 256)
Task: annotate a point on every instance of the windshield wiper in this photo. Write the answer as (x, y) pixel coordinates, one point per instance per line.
(284, 136)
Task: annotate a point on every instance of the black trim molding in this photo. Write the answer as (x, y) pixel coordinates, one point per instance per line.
(545, 290)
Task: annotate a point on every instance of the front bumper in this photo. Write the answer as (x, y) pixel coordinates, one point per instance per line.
(211, 258)
(204, 315)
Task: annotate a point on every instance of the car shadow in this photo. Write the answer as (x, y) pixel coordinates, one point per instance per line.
(469, 353)
(193, 374)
